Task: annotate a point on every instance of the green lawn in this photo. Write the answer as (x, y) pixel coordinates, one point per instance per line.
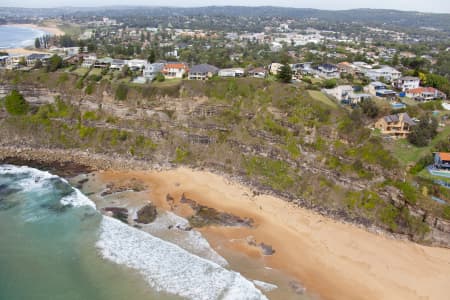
(96, 71)
(407, 153)
(167, 82)
(319, 96)
(81, 71)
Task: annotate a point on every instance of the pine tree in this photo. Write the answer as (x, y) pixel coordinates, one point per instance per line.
(285, 74)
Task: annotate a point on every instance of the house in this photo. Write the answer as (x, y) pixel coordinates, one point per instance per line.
(346, 68)
(89, 60)
(136, 64)
(407, 83)
(442, 160)
(13, 62)
(274, 68)
(202, 72)
(3, 59)
(103, 63)
(341, 92)
(425, 94)
(384, 72)
(175, 70)
(233, 72)
(117, 64)
(397, 126)
(327, 71)
(34, 57)
(257, 72)
(151, 70)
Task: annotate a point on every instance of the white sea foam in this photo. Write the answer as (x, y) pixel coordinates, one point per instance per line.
(36, 179)
(265, 286)
(190, 240)
(167, 267)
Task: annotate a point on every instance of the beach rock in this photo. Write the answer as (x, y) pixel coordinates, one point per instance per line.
(146, 214)
(81, 182)
(298, 288)
(266, 249)
(131, 185)
(205, 216)
(120, 213)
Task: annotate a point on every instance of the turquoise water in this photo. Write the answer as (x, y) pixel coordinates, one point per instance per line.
(54, 244)
(18, 37)
(47, 249)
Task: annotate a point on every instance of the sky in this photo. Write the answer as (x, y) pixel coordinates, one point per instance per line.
(440, 6)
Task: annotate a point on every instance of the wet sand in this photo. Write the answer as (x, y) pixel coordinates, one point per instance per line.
(332, 259)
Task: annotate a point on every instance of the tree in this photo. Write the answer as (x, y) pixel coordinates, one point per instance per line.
(37, 43)
(152, 56)
(16, 104)
(285, 74)
(424, 132)
(369, 108)
(54, 63)
(159, 77)
(329, 83)
(395, 60)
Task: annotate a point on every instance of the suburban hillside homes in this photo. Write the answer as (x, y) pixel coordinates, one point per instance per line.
(425, 94)
(346, 68)
(175, 70)
(151, 70)
(380, 89)
(89, 61)
(407, 83)
(33, 58)
(384, 72)
(202, 72)
(136, 64)
(442, 160)
(232, 72)
(257, 72)
(327, 71)
(117, 64)
(346, 94)
(396, 126)
(274, 68)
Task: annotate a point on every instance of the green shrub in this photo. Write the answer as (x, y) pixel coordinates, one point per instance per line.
(388, 216)
(181, 155)
(274, 173)
(89, 89)
(121, 92)
(90, 115)
(16, 104)
(446, 212)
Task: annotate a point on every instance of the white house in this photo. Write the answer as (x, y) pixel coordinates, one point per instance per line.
(117, 64)
(407, 83)
(386, 72)
(151, 70)
(327, 71)
(425, 93)
(233, 72)
(89, 61)
(175, 70)
(257, 72)
(274, 68)
(136, 64)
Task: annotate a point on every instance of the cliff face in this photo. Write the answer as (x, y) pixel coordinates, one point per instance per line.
(274, 137)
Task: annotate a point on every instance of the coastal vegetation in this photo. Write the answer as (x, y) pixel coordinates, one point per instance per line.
(280, 137)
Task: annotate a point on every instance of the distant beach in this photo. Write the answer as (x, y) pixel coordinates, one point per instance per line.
(16, 38)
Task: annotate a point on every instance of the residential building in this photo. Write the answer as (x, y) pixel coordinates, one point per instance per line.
(103, 63)
(274, 68)
(384, 72)
(374, 87)
(257, 72)
(407, 83)
(327, 71)
(136, 64)
(442, 160)
(117, 64)
(233, 72)
(346, 68)
(89, 60)
(175, 70)
(34, 57)
(151, 70)
(396, 126)
(202, 72)
(425, 94)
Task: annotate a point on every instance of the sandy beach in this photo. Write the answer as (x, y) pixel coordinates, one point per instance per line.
(332, 259)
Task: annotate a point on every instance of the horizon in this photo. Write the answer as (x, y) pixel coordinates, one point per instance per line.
(87, 6)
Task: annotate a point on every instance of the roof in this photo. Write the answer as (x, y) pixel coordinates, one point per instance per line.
(257, 70)
(409, 78)
(203, 68)
(396, 118)
(175, 66)
(444, 155)
(420, 90)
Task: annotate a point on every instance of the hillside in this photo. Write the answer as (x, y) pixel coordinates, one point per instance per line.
(280, 139)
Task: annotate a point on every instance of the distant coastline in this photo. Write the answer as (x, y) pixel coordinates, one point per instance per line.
(51, 29)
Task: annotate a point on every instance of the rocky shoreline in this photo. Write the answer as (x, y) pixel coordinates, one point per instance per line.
(69, 163)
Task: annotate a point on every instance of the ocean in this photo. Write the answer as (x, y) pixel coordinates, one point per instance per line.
(54, 244)
(18, 37)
